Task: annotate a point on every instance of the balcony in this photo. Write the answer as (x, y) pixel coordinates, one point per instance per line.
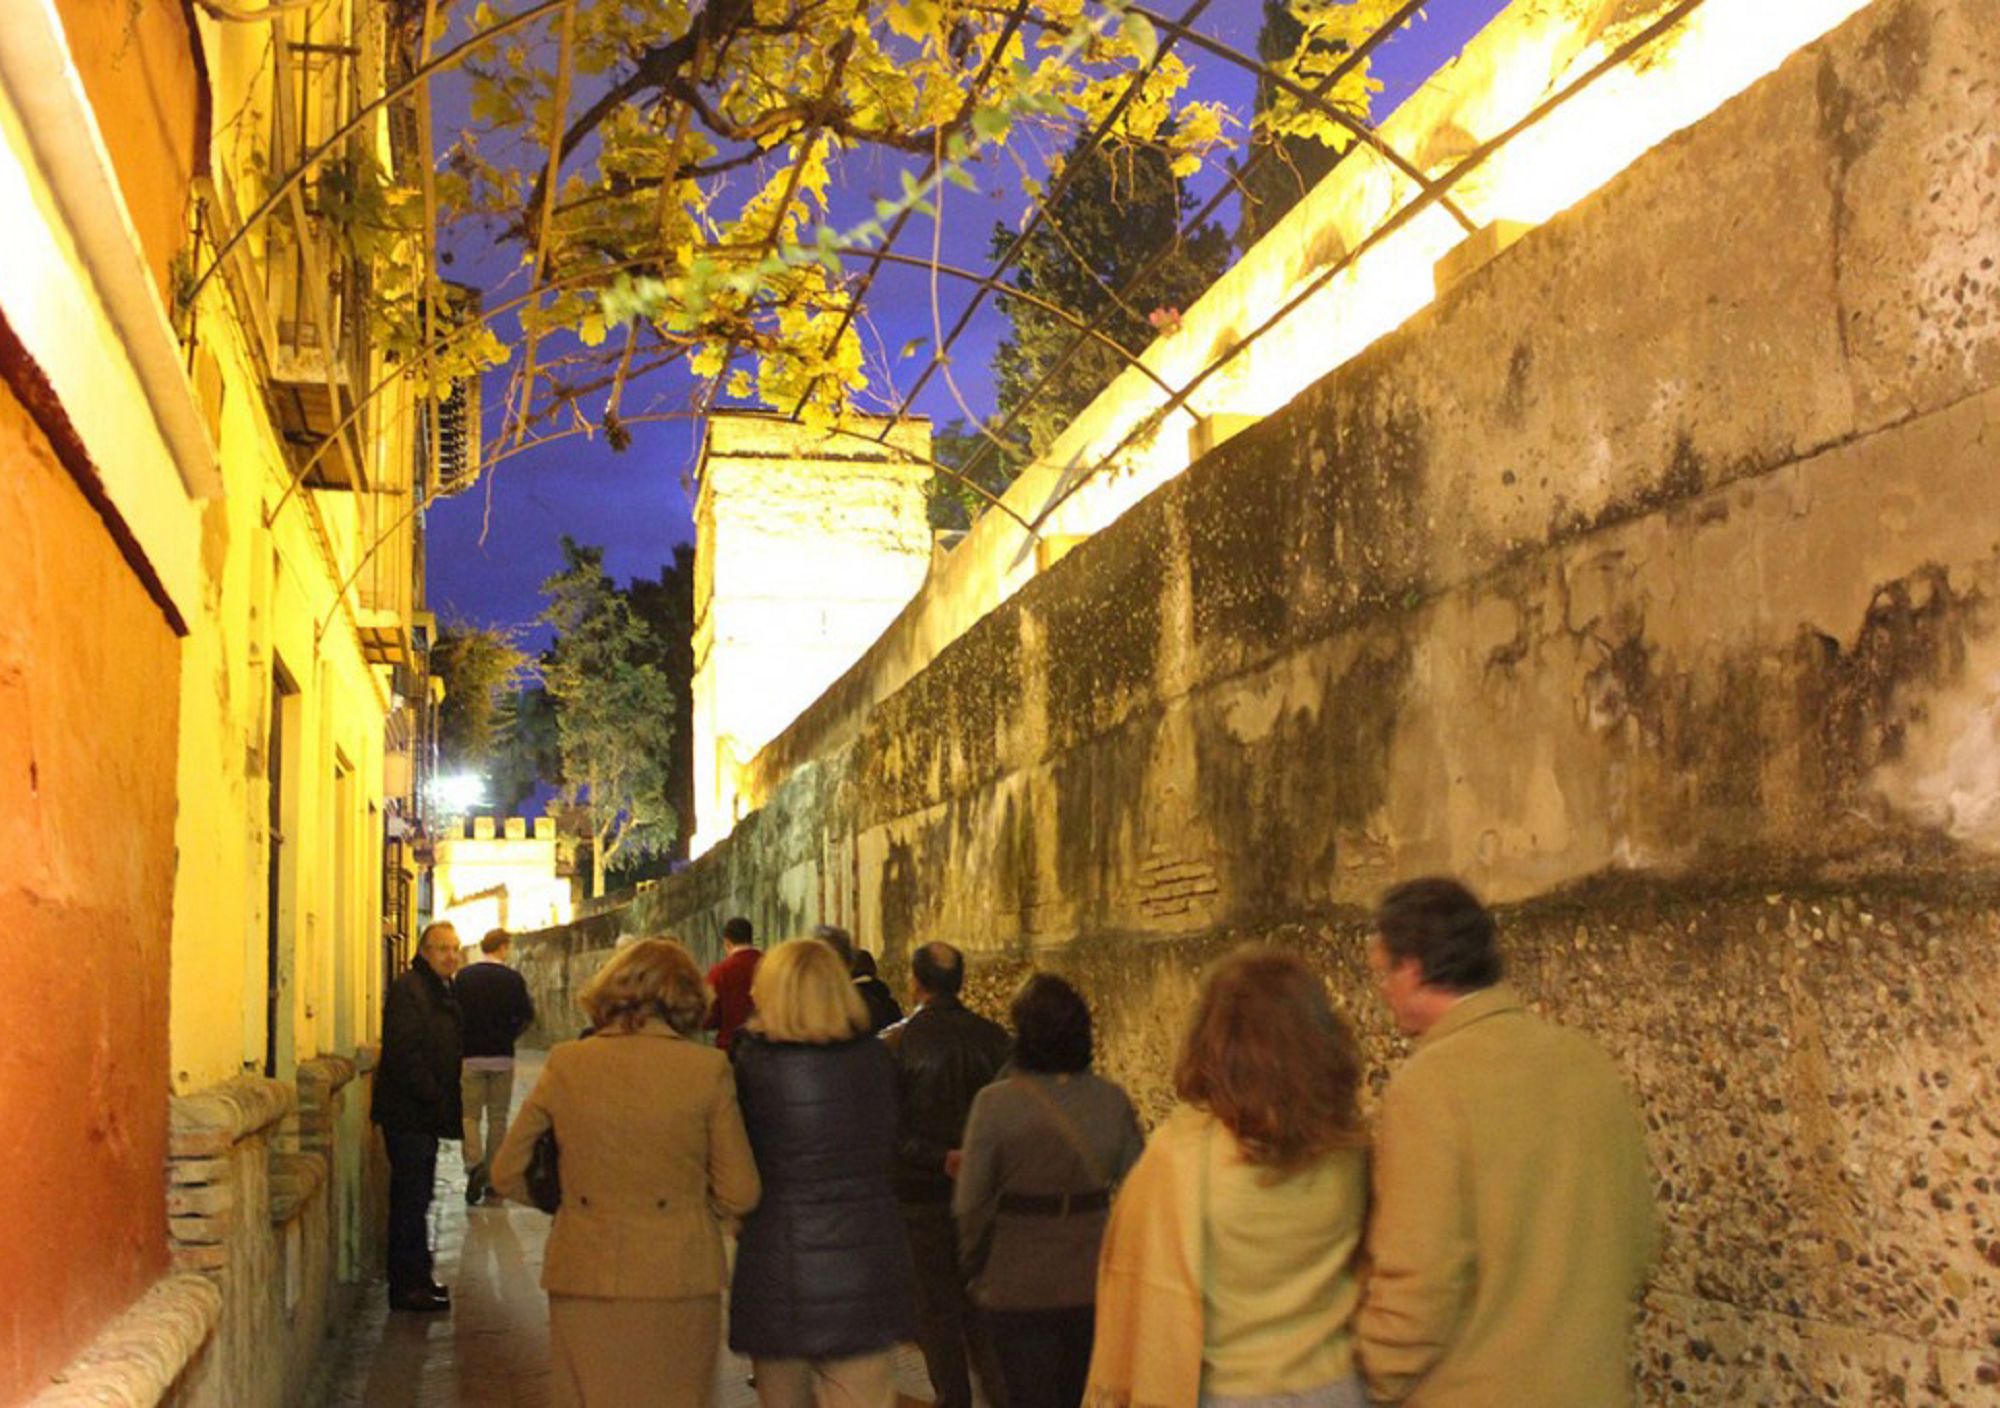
(314, 290)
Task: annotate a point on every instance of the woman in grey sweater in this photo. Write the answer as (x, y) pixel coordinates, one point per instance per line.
(1045, 1146)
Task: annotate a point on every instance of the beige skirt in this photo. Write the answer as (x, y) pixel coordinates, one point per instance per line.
(633, 1353)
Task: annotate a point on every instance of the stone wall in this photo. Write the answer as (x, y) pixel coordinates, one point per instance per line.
(1648, 580)
(275, 1197)
(1348, 274)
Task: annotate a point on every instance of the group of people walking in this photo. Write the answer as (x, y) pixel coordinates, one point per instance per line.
(935, 1177)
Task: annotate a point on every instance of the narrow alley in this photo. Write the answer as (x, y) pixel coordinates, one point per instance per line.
(1046, 519)
(492, 1349)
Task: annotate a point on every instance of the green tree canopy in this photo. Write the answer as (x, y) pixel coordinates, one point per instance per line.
(1289, 163)
(615, 712)
(480, 666)
(529, 755)
(1122, 207)
(666, 606)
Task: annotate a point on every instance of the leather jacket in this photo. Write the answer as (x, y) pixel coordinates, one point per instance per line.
(945, 1053)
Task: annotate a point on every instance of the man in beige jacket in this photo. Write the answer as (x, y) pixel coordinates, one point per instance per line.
(1513, 1224)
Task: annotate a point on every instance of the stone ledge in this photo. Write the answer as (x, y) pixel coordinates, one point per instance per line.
(294, 1179)
(322, 1076)
(135, 1361)
(216, 1119)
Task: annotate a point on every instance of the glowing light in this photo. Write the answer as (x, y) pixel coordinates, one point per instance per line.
(458, 793)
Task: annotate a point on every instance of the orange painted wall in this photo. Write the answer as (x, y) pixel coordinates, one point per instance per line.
(89, 691)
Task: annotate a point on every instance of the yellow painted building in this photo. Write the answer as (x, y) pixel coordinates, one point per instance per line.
(189, 424)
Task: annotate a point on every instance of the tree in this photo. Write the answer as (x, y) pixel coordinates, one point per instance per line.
(1121, 208)
(664, 169)
(666, 606)
(479, 666)
(529, 756)
(954, 503)
(614, 711)
(1289, 165)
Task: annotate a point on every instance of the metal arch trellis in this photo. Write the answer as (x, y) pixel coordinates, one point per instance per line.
(1000, 266)
(1015, 19)
(1177, 30)
(1471, 162)
(1149, 266)
(281, 190)
(1430, 192)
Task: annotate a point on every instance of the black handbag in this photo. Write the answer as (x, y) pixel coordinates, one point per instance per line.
(544, 1176)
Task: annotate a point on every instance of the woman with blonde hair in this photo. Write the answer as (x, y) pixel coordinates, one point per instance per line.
(1228, 1274)
(824, 1289)
(652, 1155)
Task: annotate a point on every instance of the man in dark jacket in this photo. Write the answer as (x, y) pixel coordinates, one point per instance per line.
(944, 1054)
(497, 1008)
(883, 1009)
(417, 1103)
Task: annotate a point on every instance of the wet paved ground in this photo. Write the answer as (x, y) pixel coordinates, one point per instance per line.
(492, 1349)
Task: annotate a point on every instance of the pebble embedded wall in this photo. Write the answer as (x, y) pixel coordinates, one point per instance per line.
(87, 826)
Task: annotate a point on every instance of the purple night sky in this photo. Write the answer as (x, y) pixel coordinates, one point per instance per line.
(635, 504)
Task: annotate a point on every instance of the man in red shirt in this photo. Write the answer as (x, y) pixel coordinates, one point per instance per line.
(730, 980)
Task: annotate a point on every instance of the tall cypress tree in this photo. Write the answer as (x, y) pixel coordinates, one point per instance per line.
(1123, 205)
(1290, 165)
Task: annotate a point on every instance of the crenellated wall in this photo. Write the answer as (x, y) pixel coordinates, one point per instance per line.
(1650, 580)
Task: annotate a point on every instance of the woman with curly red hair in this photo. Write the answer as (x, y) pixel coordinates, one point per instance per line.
(1228, 1274)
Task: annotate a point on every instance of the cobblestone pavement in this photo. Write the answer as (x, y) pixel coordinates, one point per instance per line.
(492, 1349)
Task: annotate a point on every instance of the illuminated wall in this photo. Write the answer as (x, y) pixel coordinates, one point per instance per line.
(500, 881)
(806, 546)
(1648, 581)
(1529, 52)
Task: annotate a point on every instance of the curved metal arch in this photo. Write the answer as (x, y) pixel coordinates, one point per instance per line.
(1362, 129)
(278, 193)
(1477, 157)
(1146, 270)
(1063, 182)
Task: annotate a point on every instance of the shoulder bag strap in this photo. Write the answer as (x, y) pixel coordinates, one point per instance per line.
(1071, 1134)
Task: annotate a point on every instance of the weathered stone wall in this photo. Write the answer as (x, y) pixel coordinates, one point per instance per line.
(276, 1195)
(1648, 580)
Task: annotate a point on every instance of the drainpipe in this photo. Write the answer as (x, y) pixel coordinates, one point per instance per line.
(47, 92)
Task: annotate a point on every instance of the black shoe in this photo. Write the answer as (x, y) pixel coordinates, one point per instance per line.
(440, 1292)
(475, 1190)
(420, 1299)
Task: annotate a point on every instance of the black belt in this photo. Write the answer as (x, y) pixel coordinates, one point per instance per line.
(1055, 1204)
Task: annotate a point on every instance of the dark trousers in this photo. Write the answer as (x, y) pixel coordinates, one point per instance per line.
(413, 1161)
(1044, 1355)
(949, 1331)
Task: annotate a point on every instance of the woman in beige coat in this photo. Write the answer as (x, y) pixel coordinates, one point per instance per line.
(1228, 1276)
(653, 1158)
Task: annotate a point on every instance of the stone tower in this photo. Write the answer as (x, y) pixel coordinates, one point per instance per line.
(807, 544)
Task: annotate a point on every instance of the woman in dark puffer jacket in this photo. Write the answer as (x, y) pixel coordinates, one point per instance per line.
(824, 1288)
